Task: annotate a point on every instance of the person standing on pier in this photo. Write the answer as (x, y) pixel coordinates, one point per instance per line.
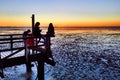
(37, 32)
(51, 30)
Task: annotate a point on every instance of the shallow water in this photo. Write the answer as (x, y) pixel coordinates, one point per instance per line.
(86, 54)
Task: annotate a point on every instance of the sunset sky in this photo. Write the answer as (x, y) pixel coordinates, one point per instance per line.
(60, 12)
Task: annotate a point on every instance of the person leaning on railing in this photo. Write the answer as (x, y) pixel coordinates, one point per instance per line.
(37, 32)
(25, 34)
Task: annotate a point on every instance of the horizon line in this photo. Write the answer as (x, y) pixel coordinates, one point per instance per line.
(62, 26)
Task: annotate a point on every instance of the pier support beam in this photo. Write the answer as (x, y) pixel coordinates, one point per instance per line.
(27, 53)
(1, 72)
(28, 67)
(40, 70)
(1, 69)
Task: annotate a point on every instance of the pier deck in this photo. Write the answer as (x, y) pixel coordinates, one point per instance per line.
(15, 51)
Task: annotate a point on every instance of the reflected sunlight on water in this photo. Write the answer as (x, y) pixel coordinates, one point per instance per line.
(64, 30)
(88, 30)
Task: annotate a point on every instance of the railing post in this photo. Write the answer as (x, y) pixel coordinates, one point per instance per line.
(11, 43)
(27, 53)
(33, 22)
(48, 42)
(48, 48)
(1, 70)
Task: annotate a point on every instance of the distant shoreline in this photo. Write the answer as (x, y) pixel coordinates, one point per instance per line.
(63, 27)
(69, 28)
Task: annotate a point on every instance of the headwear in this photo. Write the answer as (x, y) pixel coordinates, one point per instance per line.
(29, 30)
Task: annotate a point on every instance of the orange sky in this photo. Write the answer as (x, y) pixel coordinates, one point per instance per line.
(58, 23)
(26, 21)
(74, 13)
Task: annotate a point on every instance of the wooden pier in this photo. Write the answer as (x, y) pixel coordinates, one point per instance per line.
(14, 50)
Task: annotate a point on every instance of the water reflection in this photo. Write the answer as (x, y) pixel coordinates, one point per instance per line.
(81, 54)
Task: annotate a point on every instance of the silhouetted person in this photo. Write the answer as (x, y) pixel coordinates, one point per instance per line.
(50, 33)
(25, 34)
(37, 32)
(51, 30)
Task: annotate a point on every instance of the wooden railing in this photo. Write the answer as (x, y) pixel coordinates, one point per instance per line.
(11, 40)
(8, 44)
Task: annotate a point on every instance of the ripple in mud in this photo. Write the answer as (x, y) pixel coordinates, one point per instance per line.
(87, 61)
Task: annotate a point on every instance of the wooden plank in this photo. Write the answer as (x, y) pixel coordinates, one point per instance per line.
(40, 49)
(16, 38)
(30, 47)
(12, 54)
(8, 42)
(18, 60)
(3, 50)
(22, 60)
(11, 34)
